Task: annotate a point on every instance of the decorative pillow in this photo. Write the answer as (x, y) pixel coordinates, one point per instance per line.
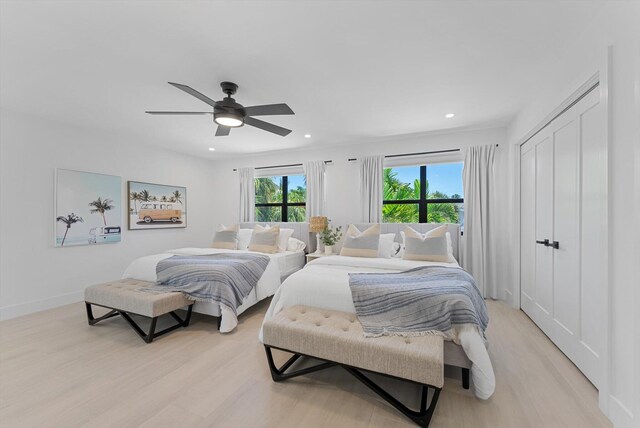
(264, 240)
(430, 247)
(361, 244)
(452, 258)
(283, 239)
(385, 247)
(226, 237)
(296, 245)
(244, 237)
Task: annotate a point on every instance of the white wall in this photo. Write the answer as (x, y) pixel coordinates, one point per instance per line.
(34, 275)
(342, 185)
(618, 28)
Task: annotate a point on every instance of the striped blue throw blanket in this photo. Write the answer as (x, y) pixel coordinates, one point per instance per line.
(424, 300)
(222, 278)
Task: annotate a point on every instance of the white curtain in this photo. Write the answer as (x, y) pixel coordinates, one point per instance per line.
(247, 194)
(315, 205)
(371, 172)
(478, 249)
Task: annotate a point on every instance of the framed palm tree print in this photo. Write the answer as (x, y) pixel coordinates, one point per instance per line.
(88, 208)
(156, 206)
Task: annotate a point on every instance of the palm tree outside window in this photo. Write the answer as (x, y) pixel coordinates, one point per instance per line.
(424, 194)
(281, 198)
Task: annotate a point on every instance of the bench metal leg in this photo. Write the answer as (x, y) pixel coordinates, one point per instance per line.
(278, 374)
(421, 417)
(465, 378)
(93, 320)
(147, 337)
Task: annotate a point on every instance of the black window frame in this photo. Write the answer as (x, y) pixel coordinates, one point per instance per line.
(285, 204)
(423, 202)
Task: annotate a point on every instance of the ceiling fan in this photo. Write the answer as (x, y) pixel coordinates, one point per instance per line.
(229, 114)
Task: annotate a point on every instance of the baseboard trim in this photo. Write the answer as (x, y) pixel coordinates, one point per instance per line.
(13, 311)
(619, 414)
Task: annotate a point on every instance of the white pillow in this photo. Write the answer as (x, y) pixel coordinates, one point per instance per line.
(244, 237)
(397, 250)
(283, 239)
(385, 246)
(296, 245)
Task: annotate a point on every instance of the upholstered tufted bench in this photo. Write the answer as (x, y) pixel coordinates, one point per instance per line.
(337, 338)
(124, 298)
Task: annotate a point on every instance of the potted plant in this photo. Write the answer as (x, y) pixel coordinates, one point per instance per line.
(329, 237)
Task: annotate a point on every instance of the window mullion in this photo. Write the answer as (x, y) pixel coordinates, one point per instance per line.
(422, 205)
(285, 191)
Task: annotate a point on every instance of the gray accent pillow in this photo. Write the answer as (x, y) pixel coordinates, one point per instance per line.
(265, 240)
(430, 247)
(226, 237)
(361, 244)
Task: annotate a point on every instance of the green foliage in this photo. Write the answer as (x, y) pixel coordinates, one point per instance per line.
(269, 191)
(330, 236)
(395, 190)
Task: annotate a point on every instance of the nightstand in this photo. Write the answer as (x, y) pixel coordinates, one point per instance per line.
(313, 256)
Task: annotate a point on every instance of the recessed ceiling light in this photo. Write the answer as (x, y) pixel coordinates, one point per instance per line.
(449, 115)
(212, 149)
(307, 135)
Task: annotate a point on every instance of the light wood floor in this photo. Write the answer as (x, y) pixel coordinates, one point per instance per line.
(56, 371)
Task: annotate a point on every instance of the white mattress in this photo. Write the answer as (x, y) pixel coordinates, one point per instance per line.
(280, 266)
(324, 284)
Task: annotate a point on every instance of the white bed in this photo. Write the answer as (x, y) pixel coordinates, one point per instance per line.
(280, 267)
(324, 283)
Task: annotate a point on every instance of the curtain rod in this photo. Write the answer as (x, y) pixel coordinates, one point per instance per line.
(416, 154)
(283, 166)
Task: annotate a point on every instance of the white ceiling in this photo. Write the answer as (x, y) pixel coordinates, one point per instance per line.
(352, 71)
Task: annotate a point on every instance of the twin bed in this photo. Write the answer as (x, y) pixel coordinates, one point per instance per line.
(324, 284)
(281, 265)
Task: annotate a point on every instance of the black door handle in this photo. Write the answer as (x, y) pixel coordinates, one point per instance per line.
(555, 244)
(545, 242)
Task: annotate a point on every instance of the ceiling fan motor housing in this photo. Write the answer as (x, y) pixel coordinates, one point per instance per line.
(229, 108)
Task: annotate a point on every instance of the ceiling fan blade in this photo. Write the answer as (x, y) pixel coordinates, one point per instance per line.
(267, 126)
(268, 110)
(195, 93)
(178, 112)
(222, 131)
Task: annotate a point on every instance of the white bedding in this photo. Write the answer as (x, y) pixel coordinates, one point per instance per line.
(280, 266)
(324, 283)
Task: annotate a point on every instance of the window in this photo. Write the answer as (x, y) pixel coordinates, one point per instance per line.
(281, 198)
(423, 194)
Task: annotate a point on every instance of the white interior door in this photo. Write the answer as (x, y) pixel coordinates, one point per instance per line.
(562, 188)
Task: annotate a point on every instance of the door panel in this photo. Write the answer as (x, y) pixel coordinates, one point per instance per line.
(566, 286)
(544, 226)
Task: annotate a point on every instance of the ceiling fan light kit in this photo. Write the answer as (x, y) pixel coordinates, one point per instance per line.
(228, 119)
(228, 114)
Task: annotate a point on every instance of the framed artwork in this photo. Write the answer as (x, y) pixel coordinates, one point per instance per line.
(88, 208)
(156, 206)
